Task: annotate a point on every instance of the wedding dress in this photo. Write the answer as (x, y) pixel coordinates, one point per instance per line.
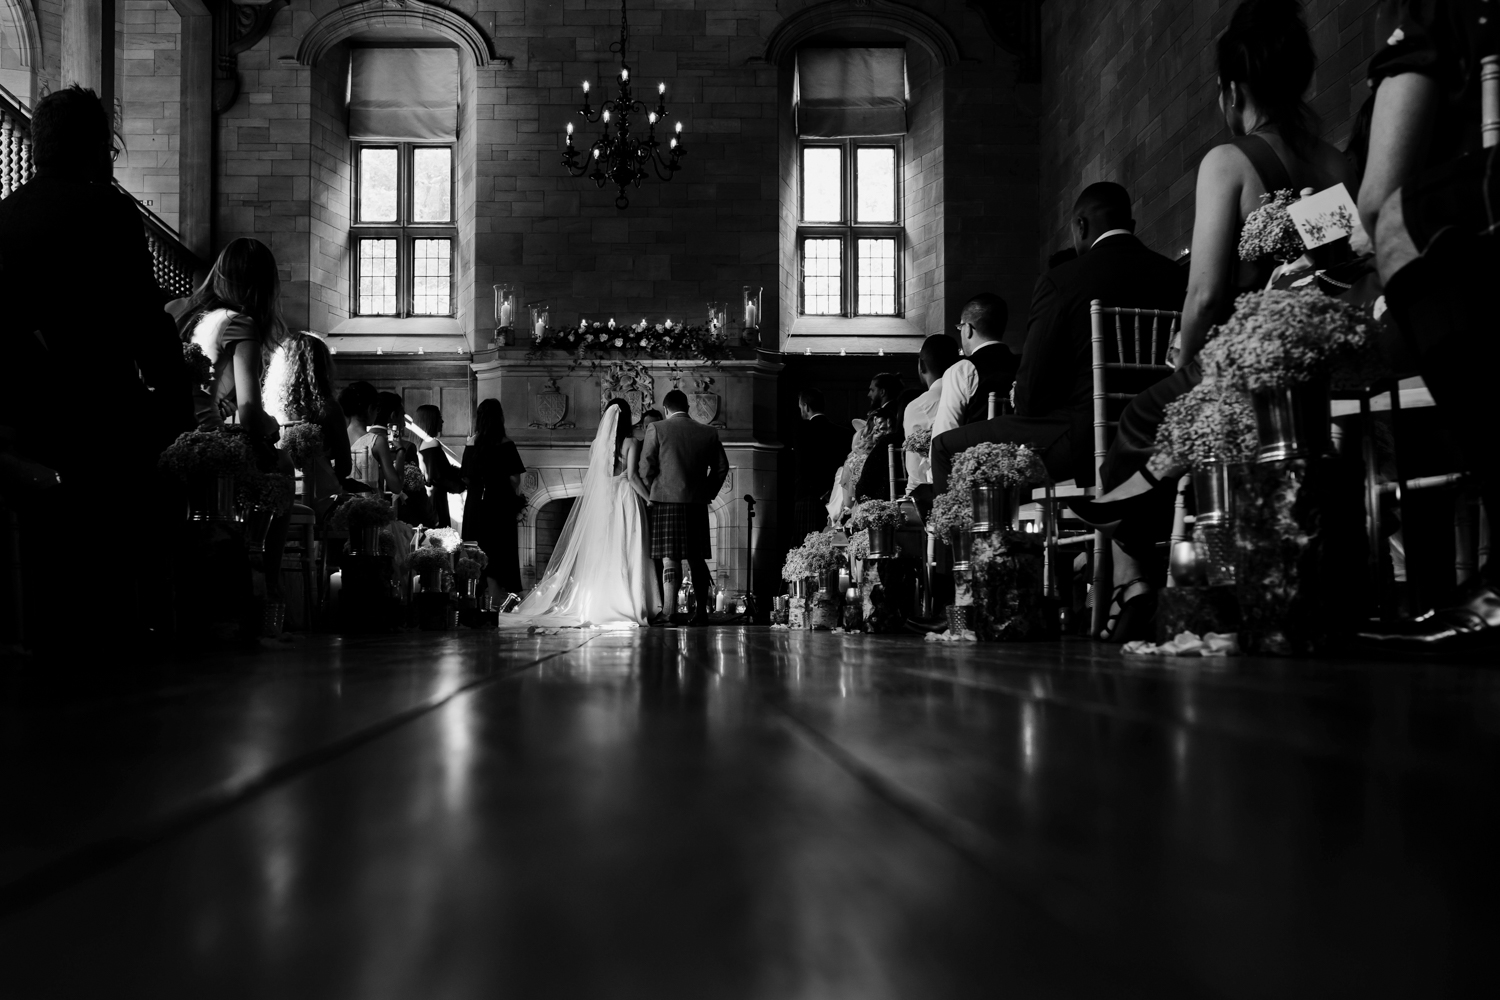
(601, 572)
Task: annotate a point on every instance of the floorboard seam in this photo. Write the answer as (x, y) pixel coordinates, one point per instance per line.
(89, 860)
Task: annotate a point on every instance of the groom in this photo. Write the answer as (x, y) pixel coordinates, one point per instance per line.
(684, 465)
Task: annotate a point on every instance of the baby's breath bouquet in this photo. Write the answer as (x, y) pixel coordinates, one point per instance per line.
(470, 561)
(875, 515)
(1002, 463)
(200, 369)
(1280, 338)
(302, 441)
(951, 510)
(207, 453)
(444, 538)
(1212, 423)
(430, 557)
(919, 441)
(412, 480)
(266, 490)
(815, 556)
(363, 510)
(858, 547)
(1269, 230)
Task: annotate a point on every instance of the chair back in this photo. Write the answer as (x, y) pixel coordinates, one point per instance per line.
(1489, 93)
(1129, 354)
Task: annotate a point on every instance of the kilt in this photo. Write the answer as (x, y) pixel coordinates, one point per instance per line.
(680, 531)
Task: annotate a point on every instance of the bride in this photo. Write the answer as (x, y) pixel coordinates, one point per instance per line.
(600, 574)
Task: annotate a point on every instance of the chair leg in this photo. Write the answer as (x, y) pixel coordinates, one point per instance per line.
(1101, 585)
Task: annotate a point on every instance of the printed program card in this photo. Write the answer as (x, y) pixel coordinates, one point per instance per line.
(1326, 216)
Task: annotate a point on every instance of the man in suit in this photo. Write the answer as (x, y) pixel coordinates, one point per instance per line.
(988, 365)
(1054, 385)
(683, 464)
(819, 449)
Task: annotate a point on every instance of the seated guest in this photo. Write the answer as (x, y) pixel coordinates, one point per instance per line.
(299, 388)
(1266, 64)
(1426, 196)
(355, 401)
(882, 429)
(437, 471)
(376, 457)
(492, 467)
(1055, 384)
(939, 353)
(988, 366)
(1064, 256)
(817, 453)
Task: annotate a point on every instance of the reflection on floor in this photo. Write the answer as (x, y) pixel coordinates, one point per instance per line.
(744, 813)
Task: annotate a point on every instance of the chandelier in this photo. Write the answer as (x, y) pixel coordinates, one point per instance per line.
(621, 157)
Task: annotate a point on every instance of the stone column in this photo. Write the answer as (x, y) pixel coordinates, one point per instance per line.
(88, 46)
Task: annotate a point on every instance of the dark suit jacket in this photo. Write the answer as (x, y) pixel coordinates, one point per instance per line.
(820, 448)
(1055, 379)
(683, 461)
(76, 261)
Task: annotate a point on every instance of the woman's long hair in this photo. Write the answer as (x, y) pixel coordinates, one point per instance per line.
(1267, 48)
(244, 279)
(387, 406)
(489, 422)
(306, 386)
(624, 428)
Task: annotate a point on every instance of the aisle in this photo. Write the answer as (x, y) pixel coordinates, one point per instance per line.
(744, 813)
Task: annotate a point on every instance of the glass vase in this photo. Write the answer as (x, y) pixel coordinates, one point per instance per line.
(211, 499)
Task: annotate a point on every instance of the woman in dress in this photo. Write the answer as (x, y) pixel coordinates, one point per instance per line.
(299, 389)
(492, 467)
(438, 473)
(601, 574)
(376, 456)
(1266, 64)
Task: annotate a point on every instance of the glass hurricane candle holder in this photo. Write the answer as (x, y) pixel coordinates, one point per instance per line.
(752, 313)
(539, 321)
(505, 307)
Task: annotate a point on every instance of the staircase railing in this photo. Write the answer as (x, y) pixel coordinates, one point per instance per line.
(173, 264)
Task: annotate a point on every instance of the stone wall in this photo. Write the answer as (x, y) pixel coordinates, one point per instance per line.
(148, 70)
(1129, 95)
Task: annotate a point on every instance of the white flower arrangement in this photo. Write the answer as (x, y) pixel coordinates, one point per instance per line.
(443, 538)
(951, 510)
(1212, 423)
(876, 514)
(1269, 230)
(815, 556)
(1278, 338)
(430, 557)
(919, 441)
(1002, 463)
(858, 547)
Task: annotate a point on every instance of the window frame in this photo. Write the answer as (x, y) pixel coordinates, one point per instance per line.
(850, 231)
(404, 230)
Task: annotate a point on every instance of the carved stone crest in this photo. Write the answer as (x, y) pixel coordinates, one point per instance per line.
(703, 405)
(551, 406)
(728, 487)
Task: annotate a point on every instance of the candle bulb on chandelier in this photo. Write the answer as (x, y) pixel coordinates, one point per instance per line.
(606, 115)
(624, 74)
(570, 133)
(661, 88)
(651, 118)
(585, 86)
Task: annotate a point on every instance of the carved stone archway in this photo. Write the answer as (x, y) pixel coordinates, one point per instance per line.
(28, 42)
(412, 17)
(840, 15)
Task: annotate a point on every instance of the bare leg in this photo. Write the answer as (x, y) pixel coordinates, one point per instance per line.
(670, 575)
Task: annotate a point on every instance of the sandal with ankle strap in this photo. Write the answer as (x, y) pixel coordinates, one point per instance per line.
(1135, 617)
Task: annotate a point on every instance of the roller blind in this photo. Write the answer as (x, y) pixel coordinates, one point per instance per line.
(841, 93)
(403, 95)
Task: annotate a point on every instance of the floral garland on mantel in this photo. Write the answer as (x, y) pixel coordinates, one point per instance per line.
(601, 343)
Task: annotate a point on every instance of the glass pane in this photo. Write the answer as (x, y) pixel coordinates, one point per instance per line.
(875, 183)
(377, 185)
(822, 277)
(432, 277)
(377, 277)
(432, 185)
(877, 277)
(822, 184)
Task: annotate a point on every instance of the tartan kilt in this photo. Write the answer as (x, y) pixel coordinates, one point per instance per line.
(680, 531)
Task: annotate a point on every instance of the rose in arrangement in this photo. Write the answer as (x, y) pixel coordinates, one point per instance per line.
(1280, 338)
(919, 441)
(1212, 423)
(876, 514)
(207, 453)
(302, 441)
(990, 462)
(362, 510)
(951, 510)
(1269, 230)
(817, 554)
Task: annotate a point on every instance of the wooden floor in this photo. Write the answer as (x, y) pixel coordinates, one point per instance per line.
(743, 813)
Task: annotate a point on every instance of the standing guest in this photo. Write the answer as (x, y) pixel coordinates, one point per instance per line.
(882, 429)
(1427, 197)
(437, 471)
(376, 457)
(648, 418)
(988, 365)
(817, 453)
(1266, 64)
(492, 467)
(939, 353)
(109, 318)
(1055, 384)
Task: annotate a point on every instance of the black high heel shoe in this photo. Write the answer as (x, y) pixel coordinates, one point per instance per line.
(1097, 513)
(1135, 618)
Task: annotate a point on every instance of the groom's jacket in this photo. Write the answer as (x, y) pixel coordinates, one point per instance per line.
(683, 461)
